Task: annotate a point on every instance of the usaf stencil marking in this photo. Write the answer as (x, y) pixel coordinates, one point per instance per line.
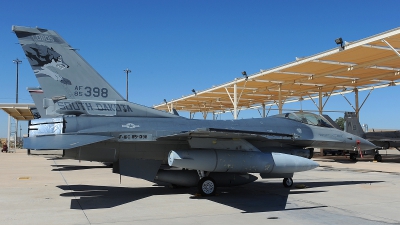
(134, 137)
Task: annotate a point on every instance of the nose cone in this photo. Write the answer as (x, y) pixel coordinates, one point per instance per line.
(290, 163)
(364, 144)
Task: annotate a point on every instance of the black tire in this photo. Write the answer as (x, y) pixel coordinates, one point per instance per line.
(353, 157)
(207, 186)
(333, 153)
(378, 157)
(311, 153)
(324, 153)
(288, 182)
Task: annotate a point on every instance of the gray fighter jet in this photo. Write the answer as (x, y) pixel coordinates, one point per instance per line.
(383, 139)
(98, 124)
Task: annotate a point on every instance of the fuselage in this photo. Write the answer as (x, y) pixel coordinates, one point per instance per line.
(124, 129)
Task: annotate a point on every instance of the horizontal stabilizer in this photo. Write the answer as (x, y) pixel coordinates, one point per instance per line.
(62, 141)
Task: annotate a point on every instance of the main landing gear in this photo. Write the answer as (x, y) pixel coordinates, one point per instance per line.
(288, 182)
(206, 185)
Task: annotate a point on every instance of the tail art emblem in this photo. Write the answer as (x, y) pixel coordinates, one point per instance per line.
(46, 62)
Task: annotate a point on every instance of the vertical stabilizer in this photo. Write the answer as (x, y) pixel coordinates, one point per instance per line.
(333, 123)
(60, 70)
(70, 84)
(352, 124)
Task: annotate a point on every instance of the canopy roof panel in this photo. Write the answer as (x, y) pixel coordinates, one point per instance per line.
(19, 111)
(373, 62)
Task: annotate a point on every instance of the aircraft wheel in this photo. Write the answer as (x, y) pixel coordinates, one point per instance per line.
(311, 153)
(288, 182)
(324, 153)
(353, 157)
(378, 157)
(333, 153)
(207, 186)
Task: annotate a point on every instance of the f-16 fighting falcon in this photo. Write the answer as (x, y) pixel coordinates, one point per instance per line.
(92, 121)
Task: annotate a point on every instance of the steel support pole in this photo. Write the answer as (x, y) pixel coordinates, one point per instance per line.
(280, 99)
(9, 131)
(320, 107)
(15, 141)
(235, 101)
(263, 107)
(16, 133)
(356, 100)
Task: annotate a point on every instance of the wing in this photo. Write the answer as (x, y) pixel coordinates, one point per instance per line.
(227, 139)
(227, 134)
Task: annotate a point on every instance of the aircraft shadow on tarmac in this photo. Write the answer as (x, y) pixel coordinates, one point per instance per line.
(73, 167)
(250, 198)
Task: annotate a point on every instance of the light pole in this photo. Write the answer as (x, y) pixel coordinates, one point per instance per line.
(16, 61)
(127, 71)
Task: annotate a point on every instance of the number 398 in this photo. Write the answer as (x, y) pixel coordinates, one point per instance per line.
(96, 92)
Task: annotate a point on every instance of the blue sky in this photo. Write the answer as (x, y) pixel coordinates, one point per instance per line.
(175, 46)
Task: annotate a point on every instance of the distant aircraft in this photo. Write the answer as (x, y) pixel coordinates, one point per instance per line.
(382, 139)
(98, 124)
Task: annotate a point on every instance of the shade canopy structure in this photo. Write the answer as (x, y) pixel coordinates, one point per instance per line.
(19, 111)
(366, 64)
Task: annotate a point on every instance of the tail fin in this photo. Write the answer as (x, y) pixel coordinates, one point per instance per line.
(71, 85)
(60, 70)
(333, 123)
(352, 124)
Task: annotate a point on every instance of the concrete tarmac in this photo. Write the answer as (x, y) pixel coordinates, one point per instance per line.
(39, 189)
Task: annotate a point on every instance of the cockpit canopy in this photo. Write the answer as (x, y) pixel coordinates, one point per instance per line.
(307, 118)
